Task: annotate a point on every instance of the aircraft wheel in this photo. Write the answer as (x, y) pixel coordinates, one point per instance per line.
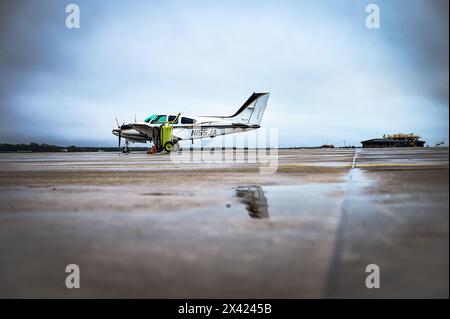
(168, 147)
(126, 149)
(176, 147)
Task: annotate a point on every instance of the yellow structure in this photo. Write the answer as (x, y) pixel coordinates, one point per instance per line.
(166, 135)
(401, 136)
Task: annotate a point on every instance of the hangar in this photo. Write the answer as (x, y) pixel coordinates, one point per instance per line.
(394, 140)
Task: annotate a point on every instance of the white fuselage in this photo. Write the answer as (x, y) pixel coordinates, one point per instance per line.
(203, 127)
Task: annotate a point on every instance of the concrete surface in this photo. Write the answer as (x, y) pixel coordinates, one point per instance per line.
(143, 226)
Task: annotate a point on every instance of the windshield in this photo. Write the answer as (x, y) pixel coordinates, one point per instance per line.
(159, 119)
(148, 119)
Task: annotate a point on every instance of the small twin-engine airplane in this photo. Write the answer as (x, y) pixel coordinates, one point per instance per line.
(247, 117)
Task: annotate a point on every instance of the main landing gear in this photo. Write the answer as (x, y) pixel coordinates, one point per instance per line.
(168, 147)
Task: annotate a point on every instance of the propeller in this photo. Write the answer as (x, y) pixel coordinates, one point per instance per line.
(120, 131)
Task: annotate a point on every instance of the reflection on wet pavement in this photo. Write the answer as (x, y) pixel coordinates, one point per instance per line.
(254, 200)
(142, 227)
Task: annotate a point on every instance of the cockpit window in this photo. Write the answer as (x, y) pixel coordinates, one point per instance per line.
(187, 120)
(173, 117)
(160, 119)
(148, 119)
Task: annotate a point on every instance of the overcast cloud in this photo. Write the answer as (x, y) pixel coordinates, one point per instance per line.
(330, 77)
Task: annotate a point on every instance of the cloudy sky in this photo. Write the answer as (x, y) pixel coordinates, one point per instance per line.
(330, 77)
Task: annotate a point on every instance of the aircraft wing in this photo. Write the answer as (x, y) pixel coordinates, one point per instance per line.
(143, 128)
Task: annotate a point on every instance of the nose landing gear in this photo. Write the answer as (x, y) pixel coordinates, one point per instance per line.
(126, 148)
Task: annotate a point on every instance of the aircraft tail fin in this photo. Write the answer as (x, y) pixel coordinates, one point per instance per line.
(252, 111)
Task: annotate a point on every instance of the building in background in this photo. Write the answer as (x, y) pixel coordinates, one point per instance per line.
(394, 140)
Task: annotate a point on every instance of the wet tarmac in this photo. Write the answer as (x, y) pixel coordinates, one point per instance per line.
(144, 226)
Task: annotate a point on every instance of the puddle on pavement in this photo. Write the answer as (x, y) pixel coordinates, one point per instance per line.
(359, 179)
(264, 202)
(167, 194)
(254, 200)
(279, 201)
